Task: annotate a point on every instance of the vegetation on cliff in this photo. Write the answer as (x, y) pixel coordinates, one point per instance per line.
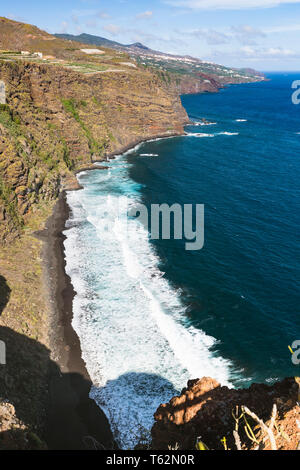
(57, 121)
(187, 74)
(61, 113)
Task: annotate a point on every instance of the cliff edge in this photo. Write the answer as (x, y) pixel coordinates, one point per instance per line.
(210, 412)
(55, 122)
(57, 117)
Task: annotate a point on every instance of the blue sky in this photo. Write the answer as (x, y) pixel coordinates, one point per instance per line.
(264, 34)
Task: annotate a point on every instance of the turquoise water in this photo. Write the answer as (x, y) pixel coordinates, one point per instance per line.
(151, 315)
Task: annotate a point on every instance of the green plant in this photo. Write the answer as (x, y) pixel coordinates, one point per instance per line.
(70, 107)
(66, 155)
(95, 147)
(12, 123)
(5, 107)
(10, 203)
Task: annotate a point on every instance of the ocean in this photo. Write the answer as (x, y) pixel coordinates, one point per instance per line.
(151, 315)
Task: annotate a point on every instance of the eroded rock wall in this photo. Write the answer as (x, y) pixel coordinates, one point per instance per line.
(56, 121)
(205, 409)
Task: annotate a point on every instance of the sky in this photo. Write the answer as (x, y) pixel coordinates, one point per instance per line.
(261, 34)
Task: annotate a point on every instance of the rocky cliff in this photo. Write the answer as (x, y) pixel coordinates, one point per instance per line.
(208, 411)
(56, 121)
(188, 74)
(202, 83)
(57, 117)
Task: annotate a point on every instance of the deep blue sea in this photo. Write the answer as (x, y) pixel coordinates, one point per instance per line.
(151, 315)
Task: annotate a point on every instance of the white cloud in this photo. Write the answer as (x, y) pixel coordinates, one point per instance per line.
(92, 23)
(102, 15)
(211, 36)
(271, 58)
(272, 53)
(83, 13)
(246, 34)
(113, 29)
(145, 14)
(75, 19)
(283, 29)
(227, 4)
(63, 27)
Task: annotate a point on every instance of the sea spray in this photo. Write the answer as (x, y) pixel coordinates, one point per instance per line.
(138, 346)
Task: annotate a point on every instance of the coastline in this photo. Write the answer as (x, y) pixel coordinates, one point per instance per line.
(74, 420)
(134, 144)
(72, 415)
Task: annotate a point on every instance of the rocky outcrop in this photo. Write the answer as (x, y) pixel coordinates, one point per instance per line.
(204, 83)
(14, 434)
(206, 409)
(191, 85)
(56, 121)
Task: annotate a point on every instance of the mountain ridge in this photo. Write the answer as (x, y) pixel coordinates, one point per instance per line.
(183, 74)
(188, 74)
(135, 47)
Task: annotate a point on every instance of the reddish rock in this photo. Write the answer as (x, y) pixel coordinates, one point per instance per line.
(205, 409)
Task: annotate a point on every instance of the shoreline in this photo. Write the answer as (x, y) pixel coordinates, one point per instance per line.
(72, 415)
(74, 420)
(134, 144)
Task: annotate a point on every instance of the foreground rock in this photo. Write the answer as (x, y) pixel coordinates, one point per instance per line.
(14, 434)
(206, 409)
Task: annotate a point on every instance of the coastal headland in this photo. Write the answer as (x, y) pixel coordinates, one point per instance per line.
(62, 113)
(55, 122)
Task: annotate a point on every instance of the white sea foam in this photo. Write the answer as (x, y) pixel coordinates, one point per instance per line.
(241, 120)
(228, 133)
(202, 134)
(149, 155)
(201, 123)
(133, 149)
(199, 134)
(136, 341)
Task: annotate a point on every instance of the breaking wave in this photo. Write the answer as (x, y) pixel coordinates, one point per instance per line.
(136, 340)
(202, 134)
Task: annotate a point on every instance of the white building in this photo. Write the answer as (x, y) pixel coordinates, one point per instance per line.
(92, 51)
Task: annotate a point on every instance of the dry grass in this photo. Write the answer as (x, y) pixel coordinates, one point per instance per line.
(20, 266)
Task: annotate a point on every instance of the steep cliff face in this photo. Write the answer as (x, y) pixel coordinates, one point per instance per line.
(15, 35)
(56, 121)
(202, 84)
(205, 83)
(207, 410)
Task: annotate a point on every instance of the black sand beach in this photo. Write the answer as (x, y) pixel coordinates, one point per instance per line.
(74, 420)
